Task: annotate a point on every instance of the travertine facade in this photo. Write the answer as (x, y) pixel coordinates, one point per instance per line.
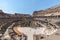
(41, 25)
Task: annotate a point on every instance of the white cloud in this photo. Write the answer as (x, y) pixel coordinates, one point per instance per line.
(5, 6)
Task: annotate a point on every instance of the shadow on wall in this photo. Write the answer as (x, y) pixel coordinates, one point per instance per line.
(58, 23)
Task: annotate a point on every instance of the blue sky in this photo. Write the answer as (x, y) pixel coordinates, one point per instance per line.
(26, 6)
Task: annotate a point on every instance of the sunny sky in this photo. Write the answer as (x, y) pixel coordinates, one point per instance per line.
(26, 6)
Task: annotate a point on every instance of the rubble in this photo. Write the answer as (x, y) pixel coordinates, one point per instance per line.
(41, 25)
